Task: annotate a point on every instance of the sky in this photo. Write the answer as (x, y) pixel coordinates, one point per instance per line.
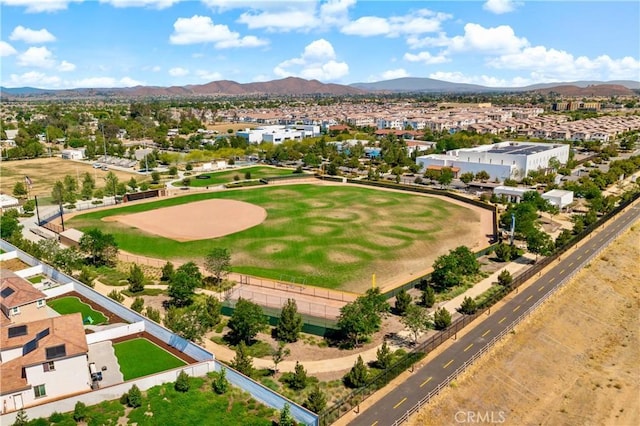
(61, 44)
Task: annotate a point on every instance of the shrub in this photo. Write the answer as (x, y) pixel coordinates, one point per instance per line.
(56, 417)
(316, 401)
(115, 295)
(220, 383)
(182, 382)
(124, 398)
(80, 411)
(357, 376)
(441, 319)
(138, 304)
(134, 397)
(153, 314)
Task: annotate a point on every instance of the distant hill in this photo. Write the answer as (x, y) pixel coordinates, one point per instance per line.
(413, 84)
(597, 90)
(286, 86)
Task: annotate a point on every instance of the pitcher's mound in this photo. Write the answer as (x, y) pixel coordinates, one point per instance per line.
(196, 221)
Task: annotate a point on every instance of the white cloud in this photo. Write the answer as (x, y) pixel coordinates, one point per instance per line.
(178, 72)
(6, 49)
(201, 29)
(66, 66)
(392, 74)
(209, 75)
(500, 6)
(426, 58)
(335, 12)
(561, 65)
(155, 4)
(286, 20)
(31, 36)
(419, 22)
(105, 82)
(37, 6)
(40, 57)
(484, 80)
(501, 39)
(33, 79)
(318, 61)
(156, 68)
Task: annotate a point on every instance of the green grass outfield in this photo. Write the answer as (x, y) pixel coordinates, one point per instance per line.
(327, 236)
(218, 178)
(71, 305)
(140, 357)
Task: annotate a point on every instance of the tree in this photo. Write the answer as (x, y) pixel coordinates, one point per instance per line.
(21, 418)
(79, 411)
(133, 184)
(286, 419)
(482, 176)
(220, 384)
(417, 320)
(428, 296)
(115, 295)
(153, 314)
(298, 379)
(70, 189)
(357, 376)
(468, 306)
(186, 322)
(102, 247)
(466, 177)
(138, 304)
(279, 355)
(20, 189)
(246, 321)
(57, 193)
(182, 287)
(182, 382)
(540, 243)
(9, 224)
(505, 252)
(242, 361)
(111, 184)
(384, 356)
(504, 278)
(563, 238)
(445, 177)
(136, 279)
(88, 186)
(167, 272)
(155, 177)
(134, 397)
(209, 310)
(441, 319)
(354, 322)
(403, 300)
(290, 323)
(218, 263)
(316, 400)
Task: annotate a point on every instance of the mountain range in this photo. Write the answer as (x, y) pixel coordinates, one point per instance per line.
(293, 86)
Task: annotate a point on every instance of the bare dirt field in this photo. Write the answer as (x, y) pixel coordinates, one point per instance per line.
(576, 361)
(196, 221)
(223, 127)
(44, 172)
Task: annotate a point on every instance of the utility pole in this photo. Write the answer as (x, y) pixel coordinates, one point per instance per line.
(104, 142)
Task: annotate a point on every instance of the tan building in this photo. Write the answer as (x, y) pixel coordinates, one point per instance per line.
(20, 301)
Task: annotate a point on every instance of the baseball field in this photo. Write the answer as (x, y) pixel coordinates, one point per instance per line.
(332, 236)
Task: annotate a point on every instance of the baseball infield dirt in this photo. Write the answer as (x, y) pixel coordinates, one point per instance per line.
(196, 221)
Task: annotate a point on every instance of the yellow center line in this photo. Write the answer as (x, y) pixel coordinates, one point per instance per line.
(447, 364)
(529, 298)
(398, 404)
(486, 332)
(516, 308)
(587, 250)
(426, 381)
(562, 272)
(374, 423)
(500, 322)
(571, 264)
(579, 257)
(541, 288)
(552, 279)
(468, 347)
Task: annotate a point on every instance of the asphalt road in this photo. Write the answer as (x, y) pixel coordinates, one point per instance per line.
(396, 403)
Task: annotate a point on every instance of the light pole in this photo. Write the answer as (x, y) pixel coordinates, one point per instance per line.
(104, 142)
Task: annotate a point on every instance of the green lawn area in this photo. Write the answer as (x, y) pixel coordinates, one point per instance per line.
(140, 357)
(218, 178)
(327, 236)
(198, 406)
(35, 280)
(70, 305)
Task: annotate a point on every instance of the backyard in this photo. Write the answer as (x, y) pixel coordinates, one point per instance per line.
(70, 305)
(323, 235)
(140, 357)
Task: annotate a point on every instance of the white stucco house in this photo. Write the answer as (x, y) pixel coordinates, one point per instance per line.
(559, 198)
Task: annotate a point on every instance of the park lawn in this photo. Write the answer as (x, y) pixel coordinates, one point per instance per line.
(321, 235)
(140, 357)
(218, 178)
(71, 304)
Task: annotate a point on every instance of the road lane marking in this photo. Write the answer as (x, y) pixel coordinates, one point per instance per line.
(552, 280)
(562, 272)
(529, 298)
(571, 264)
(401, 401)
(486, 332)
(516, 308)
(426, 381)
(468, 347)
(541, 288)
(579, 257)
(447, 364)
(374, 423)
(587, 250)
(500, 322)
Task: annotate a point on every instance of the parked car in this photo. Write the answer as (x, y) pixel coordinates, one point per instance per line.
(97, 165)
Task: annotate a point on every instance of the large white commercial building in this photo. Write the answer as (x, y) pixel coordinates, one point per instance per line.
(278, 133)
(503, 160)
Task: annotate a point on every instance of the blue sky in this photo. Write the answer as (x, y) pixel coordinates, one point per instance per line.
(59, 44)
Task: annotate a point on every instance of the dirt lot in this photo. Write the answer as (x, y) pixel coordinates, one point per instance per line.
(575, 361)
(223, 127)
(44, 172)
